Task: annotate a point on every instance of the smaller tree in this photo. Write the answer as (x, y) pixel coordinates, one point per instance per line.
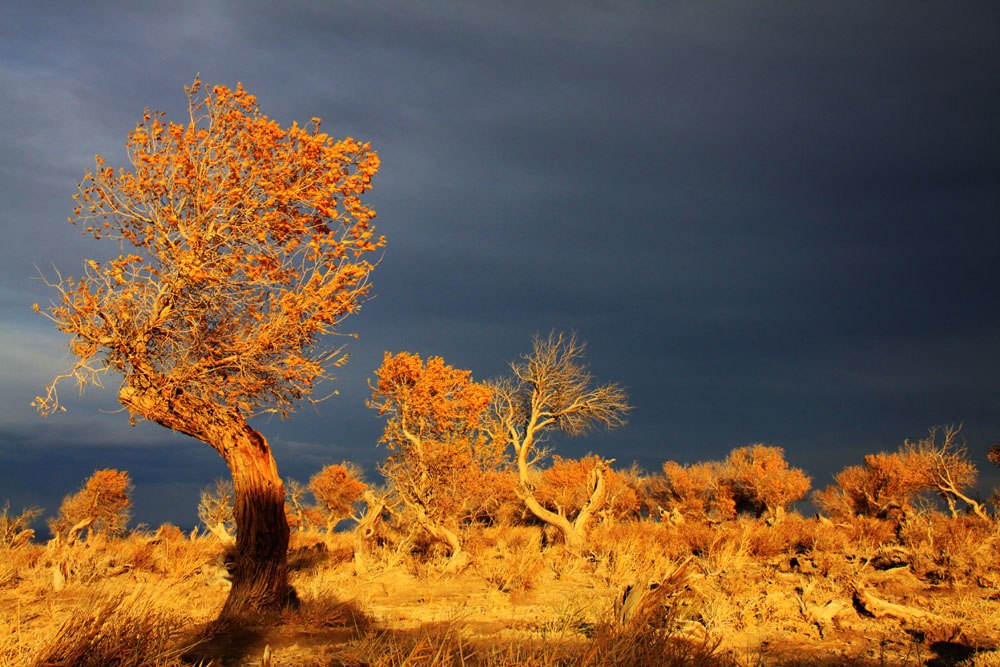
(104, 500)
(337, 489)
(564, 488)
(762, 480)
(440, 457)
(700, 491)
(886, 485)
(948, 470)
(295, 509)
(552, 390)
(215, 510)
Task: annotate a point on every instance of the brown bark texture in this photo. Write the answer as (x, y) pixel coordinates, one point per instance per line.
(260, 573)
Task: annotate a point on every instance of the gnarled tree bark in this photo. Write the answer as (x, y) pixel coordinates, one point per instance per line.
(260, 575)
(574, 531)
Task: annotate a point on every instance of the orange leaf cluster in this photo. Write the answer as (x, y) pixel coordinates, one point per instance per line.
(104, 498)
(440, 456)
(564, 487)
(249, 246)
(698, 490)
(754, 479)
(762, 480)
(336, 488)
(886, 485)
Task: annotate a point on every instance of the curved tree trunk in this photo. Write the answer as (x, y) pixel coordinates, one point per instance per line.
(260, 576)
(574, 532)
(457, 557)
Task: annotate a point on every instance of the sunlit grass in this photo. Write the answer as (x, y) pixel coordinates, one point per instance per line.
(740, 592)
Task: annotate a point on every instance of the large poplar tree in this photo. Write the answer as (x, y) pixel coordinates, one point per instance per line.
(246, 246)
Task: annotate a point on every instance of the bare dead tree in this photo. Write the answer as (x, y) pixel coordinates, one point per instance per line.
(552, 390)
(215, 510)
(949, 470)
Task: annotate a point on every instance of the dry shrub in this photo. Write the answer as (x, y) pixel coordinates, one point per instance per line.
(305, 539)
(86, 562)
(137, 551)
(509, 558)
(180, 559)
(118, 631)
(16, 531)
(729, 551)
(647, 627)
(100, 556)
(953, 549)
(625, 553)
(326, 611)
(825, 536)
(696, 537)
(788, 536)
(865, 533)
(20, 564)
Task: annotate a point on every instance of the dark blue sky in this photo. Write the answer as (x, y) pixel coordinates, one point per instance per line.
(773, 222)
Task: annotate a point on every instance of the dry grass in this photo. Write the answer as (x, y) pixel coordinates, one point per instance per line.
(106, 625)
(741, 592)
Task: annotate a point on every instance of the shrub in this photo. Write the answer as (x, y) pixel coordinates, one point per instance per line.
(887, 485)
(337, 488)
(120, 630)
(16, 530)
(700, 491)
(104, 500)
(564, 486)
(761, 480)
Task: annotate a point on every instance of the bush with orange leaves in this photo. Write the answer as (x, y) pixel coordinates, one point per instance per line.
(442, 464)
(755, 479)
(887, 485)
(761, 480)
(993, 454)
(699, 490)
(104, 500)
(337, 489)
(564, 488)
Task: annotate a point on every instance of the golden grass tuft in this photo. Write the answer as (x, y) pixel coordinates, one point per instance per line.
(118, 630)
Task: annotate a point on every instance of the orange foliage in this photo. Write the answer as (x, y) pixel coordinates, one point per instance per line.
(883, 485)
(886, 485)
(104, 499)
(440, 458)
(762, 480)
(248, 242)
(699, 490)
(336, 488)
(753, 479)
(564, 488)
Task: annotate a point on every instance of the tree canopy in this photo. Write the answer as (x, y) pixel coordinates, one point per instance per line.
(248, 246)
